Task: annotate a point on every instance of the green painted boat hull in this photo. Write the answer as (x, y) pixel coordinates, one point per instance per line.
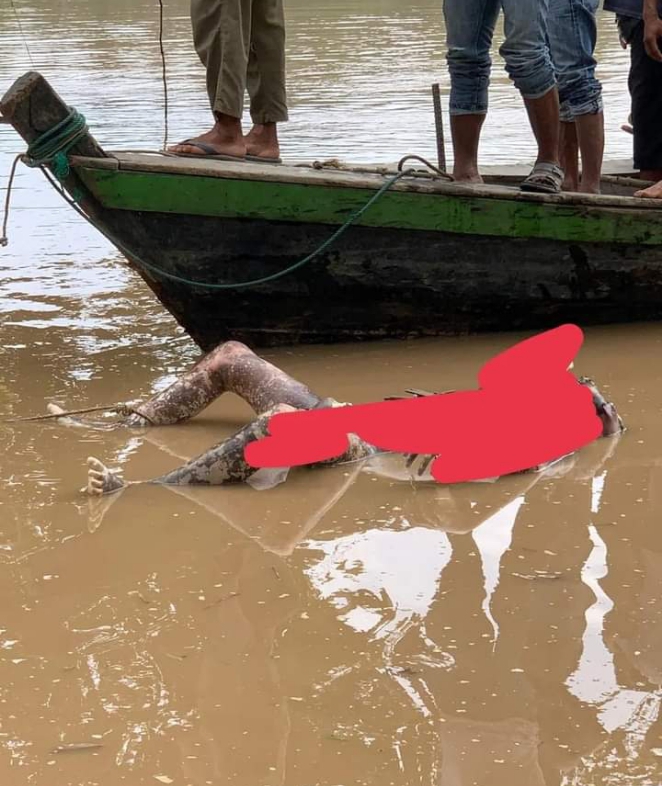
(506, 265)
(428, 258)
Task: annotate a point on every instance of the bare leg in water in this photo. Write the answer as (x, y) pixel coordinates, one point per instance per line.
(231, 368)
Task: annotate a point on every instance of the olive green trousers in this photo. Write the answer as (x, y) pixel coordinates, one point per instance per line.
(241, 43)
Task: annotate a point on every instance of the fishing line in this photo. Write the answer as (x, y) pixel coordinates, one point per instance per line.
(165, 76)
(20, 27)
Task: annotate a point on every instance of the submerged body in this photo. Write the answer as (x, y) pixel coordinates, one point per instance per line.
(233, 367)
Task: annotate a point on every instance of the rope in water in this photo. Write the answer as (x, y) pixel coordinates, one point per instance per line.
(119, 409)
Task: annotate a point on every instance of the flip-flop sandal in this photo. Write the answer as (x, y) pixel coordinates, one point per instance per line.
(208, 150)
(545, 179)
(263, 160)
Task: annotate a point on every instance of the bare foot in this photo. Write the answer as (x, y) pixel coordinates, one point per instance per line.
(56, 409)
(262, 141)
(467, 177)
(101, 480)
(224, 139)
(653, 192)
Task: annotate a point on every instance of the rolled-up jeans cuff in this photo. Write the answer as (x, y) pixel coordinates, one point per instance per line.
(456, 111)
(540, 92)
(570, 112)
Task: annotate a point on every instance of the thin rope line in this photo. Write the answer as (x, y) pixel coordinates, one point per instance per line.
(4, 239)
(139, 262)
(165, 76)
(20, 27)
(118, 409)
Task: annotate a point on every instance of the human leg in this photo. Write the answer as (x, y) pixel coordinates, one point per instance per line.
(653, 192)
(529, 65)
(221, 34)
(644, 83)
(470, 28)
(266, 78)
(220, 465)
(230, 368)
(569, 155)
(572, 32)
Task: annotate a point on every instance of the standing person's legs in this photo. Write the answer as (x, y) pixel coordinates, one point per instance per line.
(645, 83)
(266, 78)
(221, 34)
(529, 65)
(469, 28)
(572, 32)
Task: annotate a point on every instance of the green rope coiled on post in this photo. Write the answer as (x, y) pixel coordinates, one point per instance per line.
(52, 147)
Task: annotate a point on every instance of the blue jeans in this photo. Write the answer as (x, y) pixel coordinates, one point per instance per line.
(470, 28)
(572, 31)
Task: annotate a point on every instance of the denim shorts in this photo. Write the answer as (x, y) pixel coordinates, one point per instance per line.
(572, 32)
(470, 28)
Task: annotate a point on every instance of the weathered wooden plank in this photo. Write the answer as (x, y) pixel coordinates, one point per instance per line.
(187, 196)
(250, 172)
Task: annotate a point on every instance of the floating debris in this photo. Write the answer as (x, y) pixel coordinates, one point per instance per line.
(539, 574)
(220, 600)
(73, 747)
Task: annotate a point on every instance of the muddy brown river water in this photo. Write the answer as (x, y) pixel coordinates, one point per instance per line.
(344, 628)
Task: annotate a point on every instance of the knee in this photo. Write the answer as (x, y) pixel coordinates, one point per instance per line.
(530, 68)
(470, 76)
(467, 63)
(580, 94)
(225, 354)
(232, 349)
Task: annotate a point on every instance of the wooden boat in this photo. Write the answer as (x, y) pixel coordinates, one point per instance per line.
(428, 258)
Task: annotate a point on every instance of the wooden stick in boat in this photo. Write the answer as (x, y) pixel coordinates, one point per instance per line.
(439, 126)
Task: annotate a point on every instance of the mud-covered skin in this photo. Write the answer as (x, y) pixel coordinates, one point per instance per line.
(235, 368)
(225, 462)
(612, 423)
(101, 480)
(221, 465)
(230, 368)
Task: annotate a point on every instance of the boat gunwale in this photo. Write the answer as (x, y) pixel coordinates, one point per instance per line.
(345, 178)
